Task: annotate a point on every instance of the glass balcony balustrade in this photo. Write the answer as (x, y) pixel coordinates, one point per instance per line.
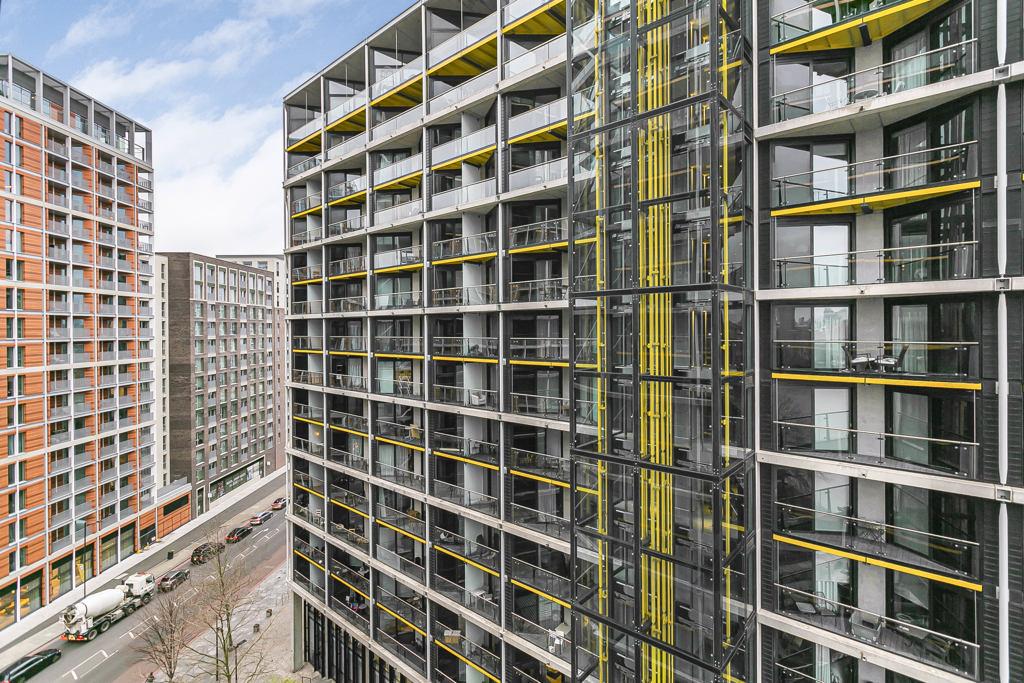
(457, 94)
(948, 358)
(924, 263)
(466, 38)
(544, 232)
(897, 172)
(398, 169)
(463, 146)
(468, 295)
(472, 347)
(466, 245)
(815, 15)
(345, 226)
(542, 54)
(480, 601)
(475, 500)
(464, 446)
(899, 635)
(478, 191)
(396, 76)
(548, 289)
(538, 174)
(398, 212)
(485, 399)
(898, 76)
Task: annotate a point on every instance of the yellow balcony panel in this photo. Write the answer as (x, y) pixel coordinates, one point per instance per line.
(357, 354)
(466, 359)
(885, 564)
(546, 20)
(555, 132)
(406, 182)
(354, 198)
(398, 269)
(403, 95)
(315, 209)
(307, 559)
(461, 658)
(875, 202)
(542, 363)
(552, 246)
(468, 461)
(352, 122)
(537, 477)
(882, 381)
(466, 560)
(477, 158)
(540, 593)
(348, 276)
(468, 258)
(479, 57)
(862, 30)
(400, 356)
(310, 143)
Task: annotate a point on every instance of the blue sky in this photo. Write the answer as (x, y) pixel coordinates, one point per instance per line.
(207, 76)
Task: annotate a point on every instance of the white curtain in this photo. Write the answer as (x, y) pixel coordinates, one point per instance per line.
(910, 324)
(910, 418)
(910, 69)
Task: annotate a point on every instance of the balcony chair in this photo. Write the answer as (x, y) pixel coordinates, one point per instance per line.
(892, 363)
(864, 626)
(857, 362)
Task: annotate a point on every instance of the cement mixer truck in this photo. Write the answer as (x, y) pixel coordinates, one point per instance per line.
(94, 614)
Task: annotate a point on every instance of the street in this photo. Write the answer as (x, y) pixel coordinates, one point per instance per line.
(112, 656)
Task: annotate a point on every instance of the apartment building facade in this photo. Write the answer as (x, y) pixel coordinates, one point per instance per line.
(220, 372)
(660, 341)
(77, 450)
(275, 263)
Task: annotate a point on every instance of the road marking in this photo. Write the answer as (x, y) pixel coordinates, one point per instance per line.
(141, 627)
(100, 653)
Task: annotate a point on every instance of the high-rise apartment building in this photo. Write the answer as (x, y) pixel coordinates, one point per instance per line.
(276, 264)
(77, 462)
(653, 341)
(220, 368)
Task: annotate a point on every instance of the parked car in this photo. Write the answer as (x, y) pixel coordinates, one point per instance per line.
(260, 518)
(238, 533)
(279, 504)
(205, 551)
(169, 582)
(29, 665)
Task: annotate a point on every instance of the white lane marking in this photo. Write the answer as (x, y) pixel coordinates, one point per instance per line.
(100, 653)
(141, 627)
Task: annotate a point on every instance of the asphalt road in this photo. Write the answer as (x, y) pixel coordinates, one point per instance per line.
(113, 655)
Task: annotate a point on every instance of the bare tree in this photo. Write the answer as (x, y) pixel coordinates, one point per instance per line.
(164, 644)
(223, 606)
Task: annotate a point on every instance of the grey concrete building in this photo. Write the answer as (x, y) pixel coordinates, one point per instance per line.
(221, 380)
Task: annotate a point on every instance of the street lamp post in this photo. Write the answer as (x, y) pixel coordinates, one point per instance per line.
(84, 524)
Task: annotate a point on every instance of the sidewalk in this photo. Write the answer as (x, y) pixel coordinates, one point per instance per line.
(275, 634)
(39, 628)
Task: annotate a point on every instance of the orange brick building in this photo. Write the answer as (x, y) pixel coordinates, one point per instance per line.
(78, 460)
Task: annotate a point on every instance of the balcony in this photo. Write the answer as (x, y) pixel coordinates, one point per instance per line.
(402, 564)
(400, 476)
(900, 636)
(924, 263)
(349, 499)
(877, 184)
(539, 236)
(830, 435)
(306, 274)
(539, 174)
(301, 136)
(554, 349)
(308, 377)
(348, 147)
(404, 345)
(309, 203)
(539, 123)
(347, 304)
(347, 110)
(483, 399)
(458, 248)
(542, 54)
(474, 500)
(407, 118)
(466, 447)
(352, 266)
(465, 347)
(348, 421)
(475, 148)
(343, 227)
(479, 191)
(403, 173)
(302, 343)
(900, 358)
(531, 462)
(454, 641)
(347, 382)
(480, 602)
(350, 190)
(475, 86)
(306, 307)
(355, 461)
(398, 212)
(305, 412)
(557, 641)
(305, 165)
(397, 77)
(546, 523)
(397, 300)
(899, 544)
(821, 26)
(465, 549)
(470, 295)
(306, 236)
(356, 344)
(885, 79)
(550, 289)
(401, 520)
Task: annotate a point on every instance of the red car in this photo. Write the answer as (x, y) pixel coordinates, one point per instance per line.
(238, 533)
(257, 520)
(279, 504)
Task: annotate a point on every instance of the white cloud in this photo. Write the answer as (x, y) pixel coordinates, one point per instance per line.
(282, 8)
(102, 22)
(218, 181)
(117, 81)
